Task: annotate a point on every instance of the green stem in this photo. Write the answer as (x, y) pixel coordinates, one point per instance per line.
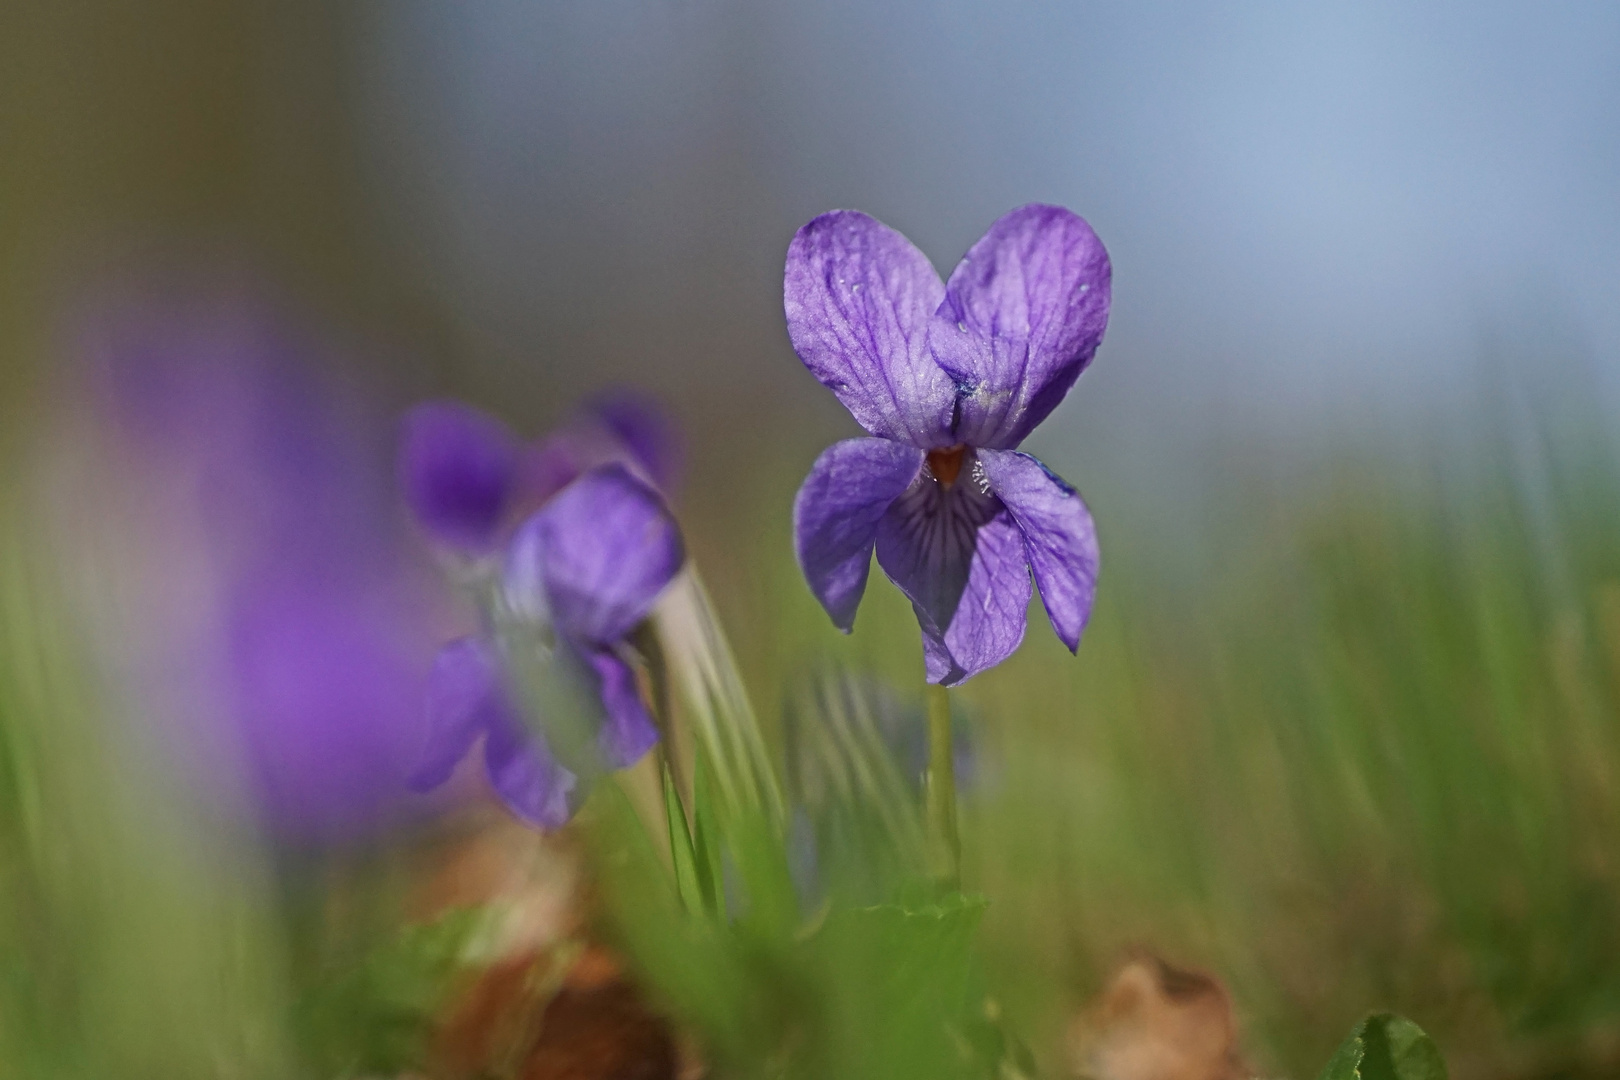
(941, 790)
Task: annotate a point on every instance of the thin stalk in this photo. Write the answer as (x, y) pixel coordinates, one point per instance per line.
(941, 790)
(673, 797)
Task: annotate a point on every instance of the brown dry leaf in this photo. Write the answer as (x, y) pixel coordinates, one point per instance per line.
(598, 1027)
(493, 1020)
(1158, 1022)
(522, 1019)
(546, 1004)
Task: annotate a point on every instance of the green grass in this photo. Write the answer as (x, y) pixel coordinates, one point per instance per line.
(1369, 761)
(133, 941)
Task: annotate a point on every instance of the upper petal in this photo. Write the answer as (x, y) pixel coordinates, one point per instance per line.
(457, 466)
(527, 778)
(549, 465)
(1023, 313)
(957, 554)
(836, 515)
(858, 298)
(1059, 536)
(601, 551)
(645, 431)
(617, 425)
(465, 695)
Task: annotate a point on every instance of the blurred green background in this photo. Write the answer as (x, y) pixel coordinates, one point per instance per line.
(1343, 730)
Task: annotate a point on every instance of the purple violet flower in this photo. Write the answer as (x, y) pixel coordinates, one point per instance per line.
(282, 634)
(571, 584)
(948, 378)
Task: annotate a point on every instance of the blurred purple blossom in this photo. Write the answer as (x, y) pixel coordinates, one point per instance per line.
(948, 378)
(267, 495)
(573, 581)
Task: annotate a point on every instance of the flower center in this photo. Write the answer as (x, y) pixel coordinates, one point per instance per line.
(946, 464)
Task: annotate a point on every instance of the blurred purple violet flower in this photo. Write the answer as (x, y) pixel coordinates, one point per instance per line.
(573, 581)
(948, 378)
(279, 619)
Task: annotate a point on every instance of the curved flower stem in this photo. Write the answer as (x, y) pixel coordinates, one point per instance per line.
(941, 790)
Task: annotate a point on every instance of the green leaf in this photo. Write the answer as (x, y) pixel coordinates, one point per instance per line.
(1386, 1047)
(769, 904)
(892, 989)
(705, 837)
(696, 967)
(687, 880)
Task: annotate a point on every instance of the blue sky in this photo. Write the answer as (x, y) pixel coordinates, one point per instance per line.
(1313, 209)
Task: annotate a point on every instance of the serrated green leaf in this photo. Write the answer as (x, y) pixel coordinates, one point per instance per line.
(1386, 1047)
(892, 985)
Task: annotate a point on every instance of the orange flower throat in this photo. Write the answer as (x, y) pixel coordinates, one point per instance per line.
(946, 464)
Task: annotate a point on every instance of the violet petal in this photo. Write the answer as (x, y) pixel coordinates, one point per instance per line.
(1059, 536)
(531, 784)
(836, 515)
(618, 425)
(958, 556)
(548, 466)
(858, 298)
(1024, 311)
(602, 550)
(645, 430)
(458, 467)
(989, 623)
(628, 731)
(465, 695)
